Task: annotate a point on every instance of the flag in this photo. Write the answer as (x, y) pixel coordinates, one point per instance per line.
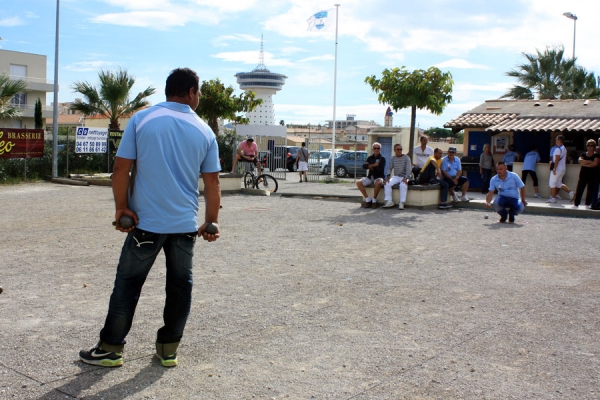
(322, 21)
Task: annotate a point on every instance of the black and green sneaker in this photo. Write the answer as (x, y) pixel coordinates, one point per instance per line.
(168, 361)
(97, 356)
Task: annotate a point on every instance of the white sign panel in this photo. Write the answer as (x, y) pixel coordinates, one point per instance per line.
(91, 140)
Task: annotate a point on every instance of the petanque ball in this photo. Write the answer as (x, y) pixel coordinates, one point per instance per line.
(126, 222)
(486, 216)
(211, 228)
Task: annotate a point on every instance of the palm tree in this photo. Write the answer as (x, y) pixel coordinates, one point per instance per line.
(8, 89)
(549, 75)
(111, 100)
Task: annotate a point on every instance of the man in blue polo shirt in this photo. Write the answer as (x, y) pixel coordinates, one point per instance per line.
(168, 146)
(511, 193)
(452, 173)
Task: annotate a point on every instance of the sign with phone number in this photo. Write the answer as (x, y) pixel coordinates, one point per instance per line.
(91, 140)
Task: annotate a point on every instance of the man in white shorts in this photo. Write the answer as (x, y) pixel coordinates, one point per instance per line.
(375, 165)
(558, 172)
(302, 162)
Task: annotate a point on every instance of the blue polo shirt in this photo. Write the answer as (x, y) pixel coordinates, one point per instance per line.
(509, 187)
(530, 160)
(451, 167)
(510, 157)
(171, 146)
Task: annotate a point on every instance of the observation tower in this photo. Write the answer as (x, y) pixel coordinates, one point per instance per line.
(265, 84)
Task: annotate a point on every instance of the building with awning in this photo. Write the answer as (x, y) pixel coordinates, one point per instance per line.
(528, 123)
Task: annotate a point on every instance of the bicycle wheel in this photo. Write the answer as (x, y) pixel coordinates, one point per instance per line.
(268, 183)
(249, 180)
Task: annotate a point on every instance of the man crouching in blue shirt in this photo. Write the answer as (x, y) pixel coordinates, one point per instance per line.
(511, 193)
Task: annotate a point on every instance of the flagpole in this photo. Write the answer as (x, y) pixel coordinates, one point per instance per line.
(334, 91)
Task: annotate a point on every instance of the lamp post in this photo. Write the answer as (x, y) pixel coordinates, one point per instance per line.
(55, 110)
(574, 18)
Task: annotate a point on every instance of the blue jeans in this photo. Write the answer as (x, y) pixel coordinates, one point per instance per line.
(508, 206)
(137, 256)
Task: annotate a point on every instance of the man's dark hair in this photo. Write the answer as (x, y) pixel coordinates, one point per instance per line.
(500, 163)
(180, 81)
(303, 144)
(561, 138)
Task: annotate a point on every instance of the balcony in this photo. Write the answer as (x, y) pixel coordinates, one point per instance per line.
(37, 84)
(28, 110)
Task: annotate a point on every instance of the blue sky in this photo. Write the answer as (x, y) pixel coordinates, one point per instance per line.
(477, 41)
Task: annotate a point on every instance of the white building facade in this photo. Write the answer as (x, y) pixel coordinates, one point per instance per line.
(32, 69)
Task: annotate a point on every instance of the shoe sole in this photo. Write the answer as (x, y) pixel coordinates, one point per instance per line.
(103, 363)
(167, 363)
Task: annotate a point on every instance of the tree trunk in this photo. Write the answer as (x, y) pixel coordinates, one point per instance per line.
(214, 125)
(411, 142)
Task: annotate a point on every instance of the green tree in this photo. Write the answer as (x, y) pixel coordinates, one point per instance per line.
(37, 115)
(550, 75)
(112, 98)
(218, 101)
(420, 89)
(282, 123)
(8, 89)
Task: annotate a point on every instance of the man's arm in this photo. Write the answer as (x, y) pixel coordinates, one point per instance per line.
(120, 187)
(212, 199)
(488, 198)
(523, 192)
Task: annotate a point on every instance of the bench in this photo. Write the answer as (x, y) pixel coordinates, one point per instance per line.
(418, 196)
(229, 183)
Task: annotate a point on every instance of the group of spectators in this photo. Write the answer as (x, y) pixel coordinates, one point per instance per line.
(429, 168)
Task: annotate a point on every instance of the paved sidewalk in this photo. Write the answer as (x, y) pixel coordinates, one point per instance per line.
(347, 191)
(307, 298)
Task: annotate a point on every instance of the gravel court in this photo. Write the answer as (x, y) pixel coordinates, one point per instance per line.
(306, 298)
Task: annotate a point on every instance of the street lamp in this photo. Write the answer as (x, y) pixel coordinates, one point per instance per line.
(574, 18)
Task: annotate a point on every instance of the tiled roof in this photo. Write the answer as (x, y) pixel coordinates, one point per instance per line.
(478, 120)
(531, 115)
(547, 124)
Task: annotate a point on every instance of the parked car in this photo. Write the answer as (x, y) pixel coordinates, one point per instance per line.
(317, 161)
(283, 157)
(348, 163)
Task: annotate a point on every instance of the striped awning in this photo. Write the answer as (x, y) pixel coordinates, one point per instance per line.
(547, 124)
(482, 120)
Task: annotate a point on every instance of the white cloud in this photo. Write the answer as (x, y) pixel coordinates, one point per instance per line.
(251, 57)
(325, 57)
(461, 64)
(223, 41)
(12, 21)
(86, 66)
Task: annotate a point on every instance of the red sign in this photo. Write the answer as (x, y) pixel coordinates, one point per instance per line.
(21, 143)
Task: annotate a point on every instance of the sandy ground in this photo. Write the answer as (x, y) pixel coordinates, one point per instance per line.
(307, 298)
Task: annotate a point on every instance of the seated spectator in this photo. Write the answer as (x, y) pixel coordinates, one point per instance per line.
(431, 174)
(375, 165)
(511, 193)
(247, 152)
(400, 164)
(452, 172)
(420, 155)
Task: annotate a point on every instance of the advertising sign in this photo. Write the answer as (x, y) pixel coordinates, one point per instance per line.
(114, 140)
(21, 143)
(91, 140)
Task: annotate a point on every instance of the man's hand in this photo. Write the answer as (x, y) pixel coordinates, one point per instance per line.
(122, 212)
(209, 237)
(524, 202)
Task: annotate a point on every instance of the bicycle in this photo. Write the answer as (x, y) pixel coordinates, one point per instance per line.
(264, 182)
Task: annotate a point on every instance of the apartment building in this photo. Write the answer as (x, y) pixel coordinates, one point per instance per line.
(32, 69)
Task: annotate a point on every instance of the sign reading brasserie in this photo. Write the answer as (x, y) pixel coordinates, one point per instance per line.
(21, 143)
(91, 140)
